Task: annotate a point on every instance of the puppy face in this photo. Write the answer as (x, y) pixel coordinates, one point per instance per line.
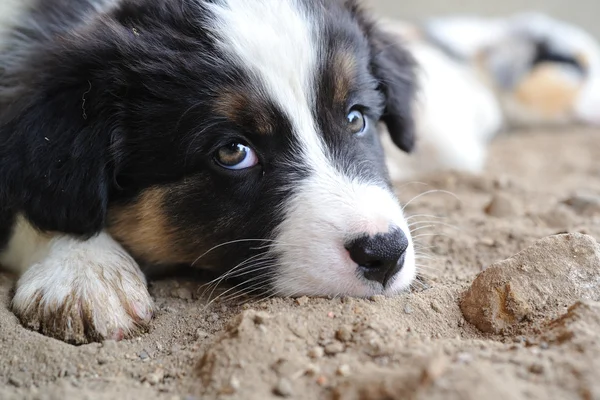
(236, 135)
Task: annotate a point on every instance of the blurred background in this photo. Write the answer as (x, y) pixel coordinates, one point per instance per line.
(585, 13)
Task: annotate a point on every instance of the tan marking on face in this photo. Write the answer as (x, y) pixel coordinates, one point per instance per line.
(143, 228)
(231, 104)
(241, 108)
(344, 70)
(548, 91)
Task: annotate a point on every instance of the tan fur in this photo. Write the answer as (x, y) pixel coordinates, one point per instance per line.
(144, 230)
(547, 92)
(344, 70)
(238, 107)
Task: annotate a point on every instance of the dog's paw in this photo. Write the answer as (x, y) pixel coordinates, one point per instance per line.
(84, 291)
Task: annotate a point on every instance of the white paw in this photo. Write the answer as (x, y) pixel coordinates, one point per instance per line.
(84, 291)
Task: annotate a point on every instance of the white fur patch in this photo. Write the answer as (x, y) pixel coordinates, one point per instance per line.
(451, 134)
(76, 290)
(279, 43)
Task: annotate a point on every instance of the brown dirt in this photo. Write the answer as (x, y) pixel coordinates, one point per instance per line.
(546, 344)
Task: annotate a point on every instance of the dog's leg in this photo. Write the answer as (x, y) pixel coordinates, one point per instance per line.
(77, 290)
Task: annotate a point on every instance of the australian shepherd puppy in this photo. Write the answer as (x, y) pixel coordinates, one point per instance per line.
(238, 136)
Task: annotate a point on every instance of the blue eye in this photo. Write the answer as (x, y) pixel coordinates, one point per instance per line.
(357, 122)
(236, 156)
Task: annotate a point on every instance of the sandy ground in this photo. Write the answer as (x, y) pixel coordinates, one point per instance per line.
(536, 340)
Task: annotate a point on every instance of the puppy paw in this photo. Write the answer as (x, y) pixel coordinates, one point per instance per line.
(84, 291)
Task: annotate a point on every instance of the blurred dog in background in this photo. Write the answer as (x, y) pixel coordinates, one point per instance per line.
(479, 76)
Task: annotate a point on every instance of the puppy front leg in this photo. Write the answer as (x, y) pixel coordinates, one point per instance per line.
(81, 291)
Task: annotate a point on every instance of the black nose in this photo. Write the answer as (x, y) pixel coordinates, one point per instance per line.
(379, 257)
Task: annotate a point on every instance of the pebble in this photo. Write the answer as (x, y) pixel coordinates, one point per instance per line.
(261, 317)
(408, 309)
(156, 377)
(234, 383)
(536, 369)
(334, 348)
(105, 360)
(501, 206)
(283, 388)
(344, 334)
(16, 382)
(322, 380)
(316, 352)
(464, 358)
(434, 370)
(301, 301)
(144, 355)
(487, 241)
(436, 307)
(214, 317)
(200, 334)
(343, 370)
(312, 369)
(584, 203)
(378, 298)
(182, 293)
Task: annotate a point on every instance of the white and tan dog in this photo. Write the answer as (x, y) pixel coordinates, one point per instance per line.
(480, 75)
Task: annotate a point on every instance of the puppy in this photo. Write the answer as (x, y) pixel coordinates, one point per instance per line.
(479, 76)
(238, 136)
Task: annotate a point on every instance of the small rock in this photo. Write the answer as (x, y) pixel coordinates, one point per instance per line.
(536, 369)
(464, 358)
(344, 334)
(408, 309)
(334, 348)
(261, 317)
(144, 355)
(316, 352)
(312, 369)
(200, 334)
(234, 383)
(322, 380)
(343, 370)
(156, 377)
(301, 301)
(214, 317)
(330, 314)
(501, 206)
(487, 241)
(434, 370)
(286, 368)
(534, 283)
(182, 293)
(436, 307)
(283, 388)
(16, 382)
(105, 360)
(584, 203)
(377, 298)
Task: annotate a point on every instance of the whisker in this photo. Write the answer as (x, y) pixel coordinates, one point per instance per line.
(427, 193)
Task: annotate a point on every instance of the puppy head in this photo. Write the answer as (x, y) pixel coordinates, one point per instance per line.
(238, 135)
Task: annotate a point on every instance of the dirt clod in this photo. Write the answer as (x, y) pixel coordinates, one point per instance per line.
(535, 283)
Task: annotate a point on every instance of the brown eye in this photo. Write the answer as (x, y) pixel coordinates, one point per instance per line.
(236, 156)
(357, 122)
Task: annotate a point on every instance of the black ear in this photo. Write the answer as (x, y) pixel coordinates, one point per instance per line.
(394, 67)
(58, 132)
